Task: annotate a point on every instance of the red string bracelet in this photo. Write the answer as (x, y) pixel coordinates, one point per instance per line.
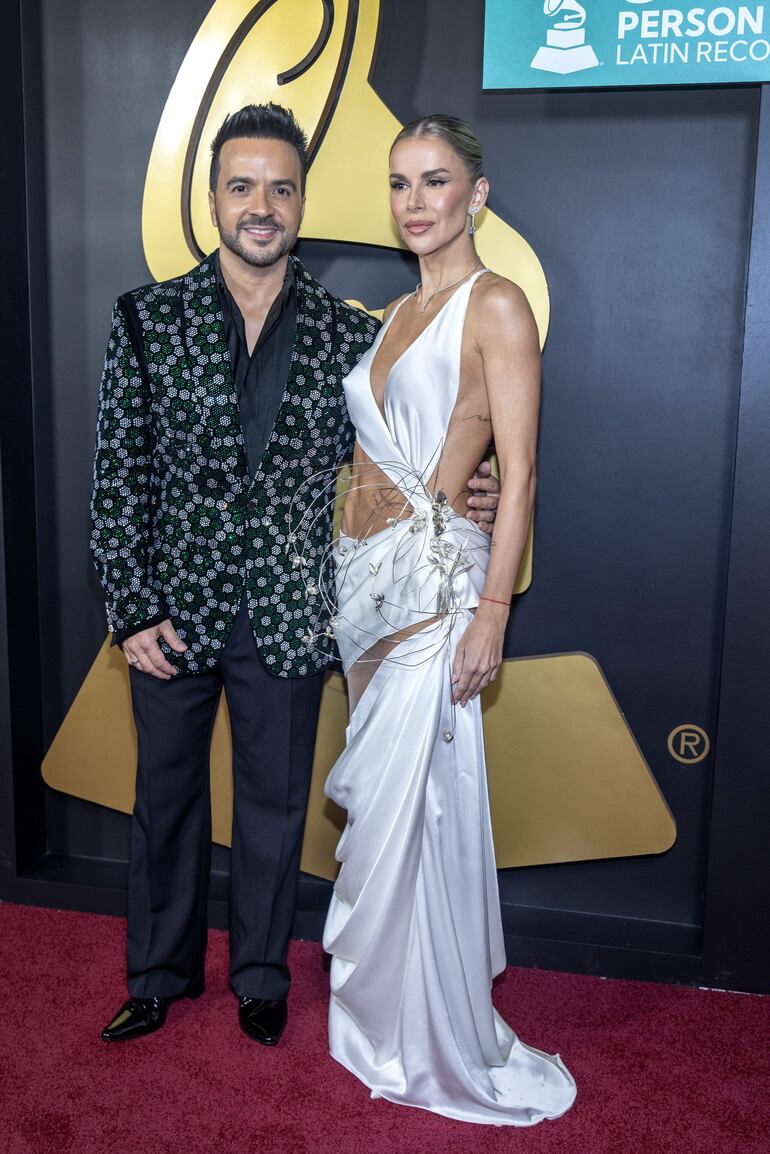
(493, 600)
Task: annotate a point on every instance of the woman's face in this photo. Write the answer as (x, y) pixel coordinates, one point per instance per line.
(430, 193)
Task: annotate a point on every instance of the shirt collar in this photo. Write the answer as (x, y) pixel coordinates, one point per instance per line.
(288, 280)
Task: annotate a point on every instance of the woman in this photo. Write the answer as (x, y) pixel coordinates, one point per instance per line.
(422, 603)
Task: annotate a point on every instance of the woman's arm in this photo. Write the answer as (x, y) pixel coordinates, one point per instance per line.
(507, 340)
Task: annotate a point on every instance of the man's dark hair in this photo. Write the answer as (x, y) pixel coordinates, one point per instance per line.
(260, 122)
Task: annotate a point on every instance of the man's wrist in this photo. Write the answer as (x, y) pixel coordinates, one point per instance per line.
(121, 635)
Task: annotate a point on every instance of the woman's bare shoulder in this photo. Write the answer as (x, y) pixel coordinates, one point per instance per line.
(499, 308)
(390, 309)
(503, 297)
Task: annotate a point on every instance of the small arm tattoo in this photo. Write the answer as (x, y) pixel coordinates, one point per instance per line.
(478, 417)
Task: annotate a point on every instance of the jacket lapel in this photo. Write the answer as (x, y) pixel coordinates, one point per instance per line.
(310, 365)
(203, 323)
(208, 363)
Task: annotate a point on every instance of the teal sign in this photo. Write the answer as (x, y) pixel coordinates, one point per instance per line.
(623, 43)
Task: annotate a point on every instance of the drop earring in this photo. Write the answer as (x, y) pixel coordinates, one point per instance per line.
(472, 225)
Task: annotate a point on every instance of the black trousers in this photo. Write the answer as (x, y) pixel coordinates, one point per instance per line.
(273, 723)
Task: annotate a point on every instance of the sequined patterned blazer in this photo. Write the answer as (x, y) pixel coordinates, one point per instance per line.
(180, 529)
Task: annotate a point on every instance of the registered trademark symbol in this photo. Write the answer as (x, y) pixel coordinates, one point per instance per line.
(688, 743)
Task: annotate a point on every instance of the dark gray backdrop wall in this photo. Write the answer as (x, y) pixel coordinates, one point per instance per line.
(638, 205)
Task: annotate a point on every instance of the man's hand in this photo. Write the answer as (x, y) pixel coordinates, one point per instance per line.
(143, 652)
(485, 495)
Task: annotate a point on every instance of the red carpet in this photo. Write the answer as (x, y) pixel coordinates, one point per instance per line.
(659, 1068)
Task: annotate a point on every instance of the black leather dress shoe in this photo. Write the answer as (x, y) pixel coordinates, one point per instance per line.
(263, 1020)
(139, 1016)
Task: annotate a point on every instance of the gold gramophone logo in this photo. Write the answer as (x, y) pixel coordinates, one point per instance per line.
(567, 779)
(316, 57)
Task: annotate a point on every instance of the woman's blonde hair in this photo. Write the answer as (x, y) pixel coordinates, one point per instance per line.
(458, 134)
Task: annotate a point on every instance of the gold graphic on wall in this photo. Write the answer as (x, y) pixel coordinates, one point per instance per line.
(316, 58)
(689, 744)
(567, 780)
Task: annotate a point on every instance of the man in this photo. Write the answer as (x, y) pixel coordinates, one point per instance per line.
(222, 401)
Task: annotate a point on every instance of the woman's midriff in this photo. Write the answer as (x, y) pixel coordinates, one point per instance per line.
(373, 502)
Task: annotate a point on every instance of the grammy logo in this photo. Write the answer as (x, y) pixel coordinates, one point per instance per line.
(316, 57)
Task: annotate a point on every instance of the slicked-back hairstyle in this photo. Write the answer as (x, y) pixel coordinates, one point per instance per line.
(260, 122)
(458, 134)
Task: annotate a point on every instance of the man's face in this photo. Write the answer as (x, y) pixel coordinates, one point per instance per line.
(257, 205)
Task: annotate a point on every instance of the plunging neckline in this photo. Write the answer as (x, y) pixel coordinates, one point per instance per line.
(378, 345)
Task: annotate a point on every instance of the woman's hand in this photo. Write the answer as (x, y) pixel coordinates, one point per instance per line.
(479, 652)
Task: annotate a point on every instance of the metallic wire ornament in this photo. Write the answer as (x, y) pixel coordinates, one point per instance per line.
(441, 510)
(472, 225)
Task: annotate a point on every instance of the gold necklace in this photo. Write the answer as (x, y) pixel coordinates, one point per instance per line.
(465, 275)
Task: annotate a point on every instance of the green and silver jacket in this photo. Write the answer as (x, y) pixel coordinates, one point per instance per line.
(179, 527)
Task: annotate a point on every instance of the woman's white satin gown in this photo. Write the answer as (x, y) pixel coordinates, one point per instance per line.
(414, 925)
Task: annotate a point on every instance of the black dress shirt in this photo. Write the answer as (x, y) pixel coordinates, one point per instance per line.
(260, 376)
(260, 381)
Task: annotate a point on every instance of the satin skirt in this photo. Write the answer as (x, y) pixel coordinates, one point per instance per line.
(414, 925)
